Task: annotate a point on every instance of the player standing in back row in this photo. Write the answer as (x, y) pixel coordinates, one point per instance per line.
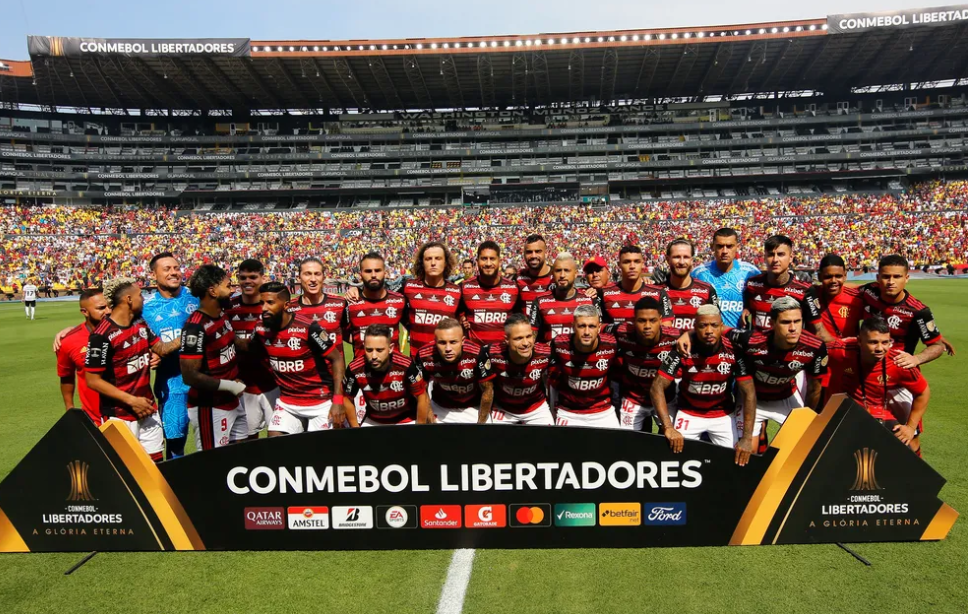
(553, 313)
(685, 293)
(727, 275)
(488, 298)
(619, 300)
(535, 279)
(778, 280)
(429, 296)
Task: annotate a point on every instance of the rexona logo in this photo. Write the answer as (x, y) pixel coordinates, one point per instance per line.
(440, 516)
(264, 518)
(665, 514)
(620, 514)
(396, 517)
(574, 514)
(308, 518)
(530, 515)
(352, 517)
(485, 516)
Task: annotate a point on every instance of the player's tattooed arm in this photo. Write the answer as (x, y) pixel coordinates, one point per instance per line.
(191, 370)
(658, 394)
(821, 331)
(487, 400)
(164, 348)
(338, 413)
(745, 446)
(141, 406)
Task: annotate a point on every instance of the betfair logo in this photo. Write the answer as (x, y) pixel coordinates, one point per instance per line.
(865, 479)
(80, 491)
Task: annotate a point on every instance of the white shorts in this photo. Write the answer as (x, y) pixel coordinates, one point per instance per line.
(258, 409)
(540, 416)
(634, 417)
(369, 422)
(216, 427)
(294, 419)
(899, 402)
(801, 381)
(721, 430)
(777, 411)
(360, 404)
(601, 419)
(149, 433)
(468, 415)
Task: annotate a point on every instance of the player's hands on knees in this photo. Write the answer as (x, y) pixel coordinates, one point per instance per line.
(744, 448)
(684, 344)
(675, 439)
(906, 361)
(904, 433)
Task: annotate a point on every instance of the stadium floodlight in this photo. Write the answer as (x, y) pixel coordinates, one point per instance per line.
(359, 48)
(812, 27)
(315, 47)
(700, 34)
(254, 49)
(611, 39)
(674, 35)
(588, 40)
(799, 28)
(325, 48)
(433, 45)
(304, 48)
(529, 42)
(662, 36)
(384, 47)
(623, 38)
(576, 40)
(762, 31)
(518, 43)
(507, 43)
(648, 37)
(686, 35)
(446, 45)
(292, 48)
(786, 28)
(537, 42)
(823, 27)
(456, 45)
(748, 32)
(773, 31)
(601, 39)
(278, 48)
(394, 46)
(493, 43)
(635, 37)
(372, 47)
(722, 34)
(419, 45)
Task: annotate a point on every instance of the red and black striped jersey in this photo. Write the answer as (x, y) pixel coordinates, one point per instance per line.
(910, 319)
(774, 370)
(551, 317)
(425, 307)
(686, 301)
(758, 297)
(519, 389)
(212, 341)
(329, 313)
(367, 312)
(583, 381)
(301, 357)
(391, 395)
(457, 385)
(254, 364)
(841, 316)
(488, 307)
(531, 287)
(706, 388)
(620, 305)
(638, 365)
(123, 357)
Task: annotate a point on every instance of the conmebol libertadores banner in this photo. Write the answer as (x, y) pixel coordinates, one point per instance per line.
(70, 46)
(908, 18)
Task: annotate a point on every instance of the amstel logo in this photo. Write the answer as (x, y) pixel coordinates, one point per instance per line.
(80, 491)
(865, 480)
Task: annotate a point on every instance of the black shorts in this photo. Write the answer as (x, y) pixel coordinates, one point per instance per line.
(30, 303)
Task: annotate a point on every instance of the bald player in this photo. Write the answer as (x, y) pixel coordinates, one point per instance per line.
(553, 313)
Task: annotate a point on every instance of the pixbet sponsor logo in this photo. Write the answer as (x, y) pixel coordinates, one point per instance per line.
(264, 518)
(353, 517)
(620, 514)
(530, 515)
(665, 514)
(485, 516)
(308, 518)
(440, 517)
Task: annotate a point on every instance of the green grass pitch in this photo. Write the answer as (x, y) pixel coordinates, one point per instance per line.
(913, 577)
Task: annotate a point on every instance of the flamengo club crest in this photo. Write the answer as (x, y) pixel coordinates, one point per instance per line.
(894, 322)
(724, 368)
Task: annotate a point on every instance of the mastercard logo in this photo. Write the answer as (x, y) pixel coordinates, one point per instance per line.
(530, 515)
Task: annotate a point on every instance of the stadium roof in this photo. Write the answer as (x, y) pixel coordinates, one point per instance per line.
(488, 72)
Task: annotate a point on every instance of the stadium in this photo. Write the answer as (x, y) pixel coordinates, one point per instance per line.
(845, 133)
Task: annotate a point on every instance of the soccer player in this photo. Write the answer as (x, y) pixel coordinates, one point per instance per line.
(642, 346)
(686, 294)
(73, 350)
(315, 304)
(486, 300)
(510, 272)
(209, 365)
(307, 366)
(619, 300)
(520, 368)
(30, 298)
(552, 313)
(376, 305)
(761, 290)
(118, 362)
(165, 313)
(596, 273)
(466, 269)
(460, 371)
(841, 306)
(429, 297)
(705, 401)
(245, 313)
(581, 366)
(866, 370)
(393, 389)
(727, 275)
(909, 319)
(535, 279)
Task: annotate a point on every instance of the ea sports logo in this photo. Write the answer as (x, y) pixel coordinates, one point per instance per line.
(894, 322)
(397, 517)
(293, 344)
(724, 368)
(695, 302)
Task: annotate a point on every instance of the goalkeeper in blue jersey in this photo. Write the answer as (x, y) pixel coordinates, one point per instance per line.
(727, 275)
(165, 312)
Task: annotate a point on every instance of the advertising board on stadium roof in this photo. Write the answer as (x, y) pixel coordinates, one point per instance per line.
(908, 18)
(70, 46)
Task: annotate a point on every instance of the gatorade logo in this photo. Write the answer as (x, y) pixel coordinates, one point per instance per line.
(529, 515)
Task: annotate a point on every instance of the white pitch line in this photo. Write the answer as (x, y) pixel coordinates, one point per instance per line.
(458, 577)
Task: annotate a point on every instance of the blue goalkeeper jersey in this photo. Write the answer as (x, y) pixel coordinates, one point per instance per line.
(166, 317)
(729, 286)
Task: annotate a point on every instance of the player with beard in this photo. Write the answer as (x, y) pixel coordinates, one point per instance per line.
(73, 350)
(520, 368)
(552, 313)
(307, 366)
(209, 365)
(376, 304)
(642, 346)
(867, 370)
(487, 299)
(619, 300)
(727, 274)
(118, 365)
(460, 373)
(596, 274)
(315, 304)
(686, 294)
(429, 296)
(705, 400)
(393, 389)
(582, 365)
(535, 279)
(841, 306)
(245, 313)
(778, 280)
